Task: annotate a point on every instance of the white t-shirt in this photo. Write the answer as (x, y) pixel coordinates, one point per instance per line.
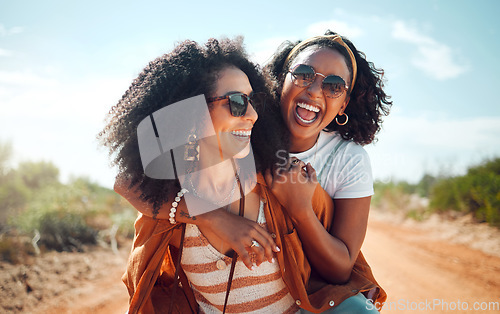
(343, 167)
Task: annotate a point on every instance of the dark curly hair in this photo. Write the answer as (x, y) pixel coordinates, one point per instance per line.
(187, 71)
(368, 101)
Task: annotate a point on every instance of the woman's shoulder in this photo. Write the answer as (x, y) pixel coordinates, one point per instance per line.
(333, 144)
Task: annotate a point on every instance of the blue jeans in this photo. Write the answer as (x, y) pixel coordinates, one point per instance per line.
(353, 305)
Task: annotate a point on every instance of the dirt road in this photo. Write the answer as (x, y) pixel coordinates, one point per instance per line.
(425, 275)
(421, 274)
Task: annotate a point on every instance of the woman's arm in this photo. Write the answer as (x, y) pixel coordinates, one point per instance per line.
(332, 254)
(132, 195)
(238, 232)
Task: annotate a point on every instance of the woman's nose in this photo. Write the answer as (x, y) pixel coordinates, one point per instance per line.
(316, 89)
(251, 114)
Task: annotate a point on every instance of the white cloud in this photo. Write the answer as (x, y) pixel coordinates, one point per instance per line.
(25, 78)
(445, 133)
(435, 59)
(47, 118)
(47, 98)
(5, 53)
(339, 27)
(409, 147)
(262, 51)
(97, 97)
(403, 32)
(10, 31)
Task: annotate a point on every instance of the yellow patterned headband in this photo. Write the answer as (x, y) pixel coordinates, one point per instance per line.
(335, 38)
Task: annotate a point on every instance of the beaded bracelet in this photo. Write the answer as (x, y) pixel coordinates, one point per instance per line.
(175, 203)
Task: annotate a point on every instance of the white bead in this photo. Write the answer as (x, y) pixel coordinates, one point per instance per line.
(184, 191)
(172, 215)
(174, 204)
(177, 199)
(180, 194)
(220, 264)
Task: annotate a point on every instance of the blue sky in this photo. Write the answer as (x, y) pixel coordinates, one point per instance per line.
(64, 64)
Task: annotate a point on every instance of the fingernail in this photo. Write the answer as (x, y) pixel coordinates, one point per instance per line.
(278, 249)
(272, 260)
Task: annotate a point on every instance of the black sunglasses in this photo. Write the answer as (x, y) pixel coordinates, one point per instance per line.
(238, 102)
(304, 75)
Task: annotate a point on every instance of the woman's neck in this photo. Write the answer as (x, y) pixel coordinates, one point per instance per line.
(299, 145)
(213, 179)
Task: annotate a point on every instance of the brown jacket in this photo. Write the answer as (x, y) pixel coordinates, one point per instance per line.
(153, 259)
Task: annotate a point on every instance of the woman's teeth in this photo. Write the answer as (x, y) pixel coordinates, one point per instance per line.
(308, 107)
(306, 113)
(242, 133)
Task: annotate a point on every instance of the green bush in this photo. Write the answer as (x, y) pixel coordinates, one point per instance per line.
(38, 174)
(13, 191)
(68, 216)
(392, 195)
(64, 231)
(400, 197)
(5, 156)
(424, 186)
(125, 221)
(65, 216)
(14, 195)
(445, 195)
(477, 192)
(59, 213)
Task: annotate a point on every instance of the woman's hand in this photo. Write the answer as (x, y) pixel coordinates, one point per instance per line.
(235, 232)
(333, 253)
(238, 233)
(294, 187)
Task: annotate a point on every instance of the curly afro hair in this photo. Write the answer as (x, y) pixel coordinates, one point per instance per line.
(189, 70)
(368, 101)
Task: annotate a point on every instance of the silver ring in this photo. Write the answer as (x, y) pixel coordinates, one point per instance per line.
(255, 243)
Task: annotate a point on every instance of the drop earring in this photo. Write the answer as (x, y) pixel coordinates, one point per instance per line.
(192, 148)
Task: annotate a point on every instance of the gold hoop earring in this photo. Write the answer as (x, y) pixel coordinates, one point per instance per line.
(192, 149)
(346, 119)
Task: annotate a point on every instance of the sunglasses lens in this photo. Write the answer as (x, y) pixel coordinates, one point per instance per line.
(303, 75)
(333, 86)
(238, 105)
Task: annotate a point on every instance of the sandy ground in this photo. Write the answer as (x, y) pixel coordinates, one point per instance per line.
(65, 282)
(427, 271)
(426, 267)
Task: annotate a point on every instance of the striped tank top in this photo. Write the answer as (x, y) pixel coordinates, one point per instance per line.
(261, 290)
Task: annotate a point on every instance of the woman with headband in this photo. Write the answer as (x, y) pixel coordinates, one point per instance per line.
(332, 101)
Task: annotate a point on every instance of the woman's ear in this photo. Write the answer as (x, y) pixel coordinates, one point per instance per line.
(344, 105)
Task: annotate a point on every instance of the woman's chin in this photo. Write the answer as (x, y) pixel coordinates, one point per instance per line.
(243, 153)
